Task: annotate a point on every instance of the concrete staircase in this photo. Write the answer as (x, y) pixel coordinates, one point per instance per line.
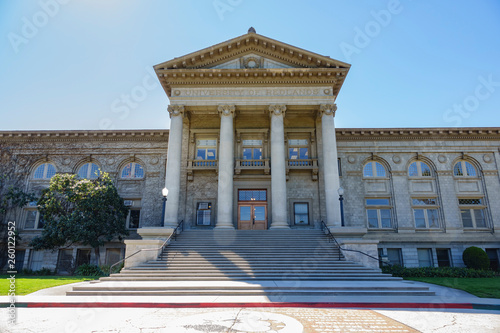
(250, 263)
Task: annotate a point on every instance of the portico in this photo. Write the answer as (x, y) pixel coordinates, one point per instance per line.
(258, 116)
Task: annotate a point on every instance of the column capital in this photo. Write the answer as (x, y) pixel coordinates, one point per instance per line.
(176, 110)
(327, 109)
(277, 109)
(226, 110)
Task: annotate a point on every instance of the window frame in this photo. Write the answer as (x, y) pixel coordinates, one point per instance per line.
(419, 174)
(135, 206)
(426, 208)
(399, 252)
(463, 166)
(210, 209)
(39, 223)
(449, 258)
(306, 146)
(206, 148)
(429, 257)
(471, 209)
(306, 214)
(45, 165)
(133, 170)
(89, 171)
(374, 172)
(379, 208)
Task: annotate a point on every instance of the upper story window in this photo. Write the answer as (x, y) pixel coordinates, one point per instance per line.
(472, 211)
(378, 212)
(206, 149)
(298, 149)
(374, 169)
(252, 149)
(132, 170)
(89, 171)
(419, 169)
(425, 213)
(33, 219)
(464, 169)
(44, 171)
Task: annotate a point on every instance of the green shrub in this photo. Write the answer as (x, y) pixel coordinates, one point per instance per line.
(455, 272)
(476, 258)
(89, 270)
(116, 269)
(42, 272)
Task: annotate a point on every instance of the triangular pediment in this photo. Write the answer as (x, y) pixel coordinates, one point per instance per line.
(233, 53)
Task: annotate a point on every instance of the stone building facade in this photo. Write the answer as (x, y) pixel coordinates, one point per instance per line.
(253, 145)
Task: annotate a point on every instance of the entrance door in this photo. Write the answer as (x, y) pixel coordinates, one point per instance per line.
(252, 216)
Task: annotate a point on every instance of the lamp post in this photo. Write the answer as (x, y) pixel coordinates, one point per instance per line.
(164, 193)
(341, 198)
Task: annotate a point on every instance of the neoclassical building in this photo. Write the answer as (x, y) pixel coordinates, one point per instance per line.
(252, 144)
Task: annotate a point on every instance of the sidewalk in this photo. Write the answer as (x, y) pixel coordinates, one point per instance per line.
(450, 310)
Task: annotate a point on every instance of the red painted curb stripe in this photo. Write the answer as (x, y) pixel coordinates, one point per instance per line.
(250, 305)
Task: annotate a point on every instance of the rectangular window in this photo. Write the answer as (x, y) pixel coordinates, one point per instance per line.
(134, 213)
(206, 149)
(493, 255)
(36, 260)
(394, 256)
(113, 256)
(424, 257)
(203, 213)
(20, 254)
(82, 257)
(301, 213)
(378, 213)
(33, 219)
(252, 149)
(443, 257)
(65, 261)
(425, 213)
(298, 149)
(472, 212)
(252, 195)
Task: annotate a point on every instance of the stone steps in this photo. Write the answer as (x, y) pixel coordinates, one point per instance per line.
(288, 263)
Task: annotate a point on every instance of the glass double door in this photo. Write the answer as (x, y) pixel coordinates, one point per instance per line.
(252, 216)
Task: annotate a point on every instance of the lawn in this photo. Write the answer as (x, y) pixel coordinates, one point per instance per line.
(26, 284)
(481, 287)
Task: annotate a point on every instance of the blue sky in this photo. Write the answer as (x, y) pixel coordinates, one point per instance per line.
(68, 64)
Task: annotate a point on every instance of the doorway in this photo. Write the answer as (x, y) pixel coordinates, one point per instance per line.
(252, 209)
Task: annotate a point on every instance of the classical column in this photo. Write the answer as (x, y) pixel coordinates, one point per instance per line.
(226, 168)
(278, 168)
(173, 174)
(330, 166)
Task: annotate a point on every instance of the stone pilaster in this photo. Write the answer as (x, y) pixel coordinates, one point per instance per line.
(173, 173)
(278, 168)
(330, 166)
(226, 168)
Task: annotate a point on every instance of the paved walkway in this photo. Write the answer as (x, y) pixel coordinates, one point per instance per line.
(449, 311)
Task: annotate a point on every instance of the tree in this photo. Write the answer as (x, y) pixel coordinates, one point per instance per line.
(13, 173)
(89, 212)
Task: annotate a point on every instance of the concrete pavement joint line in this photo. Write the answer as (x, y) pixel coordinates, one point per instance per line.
(235, 320)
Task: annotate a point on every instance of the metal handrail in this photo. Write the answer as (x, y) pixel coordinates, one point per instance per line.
(167, 241)
(330, 235)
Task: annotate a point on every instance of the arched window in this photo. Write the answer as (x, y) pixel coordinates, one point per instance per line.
(44, 171)
(419, 169)
(374, 169)
(89, 171)
(464, 169)
(132, 170)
